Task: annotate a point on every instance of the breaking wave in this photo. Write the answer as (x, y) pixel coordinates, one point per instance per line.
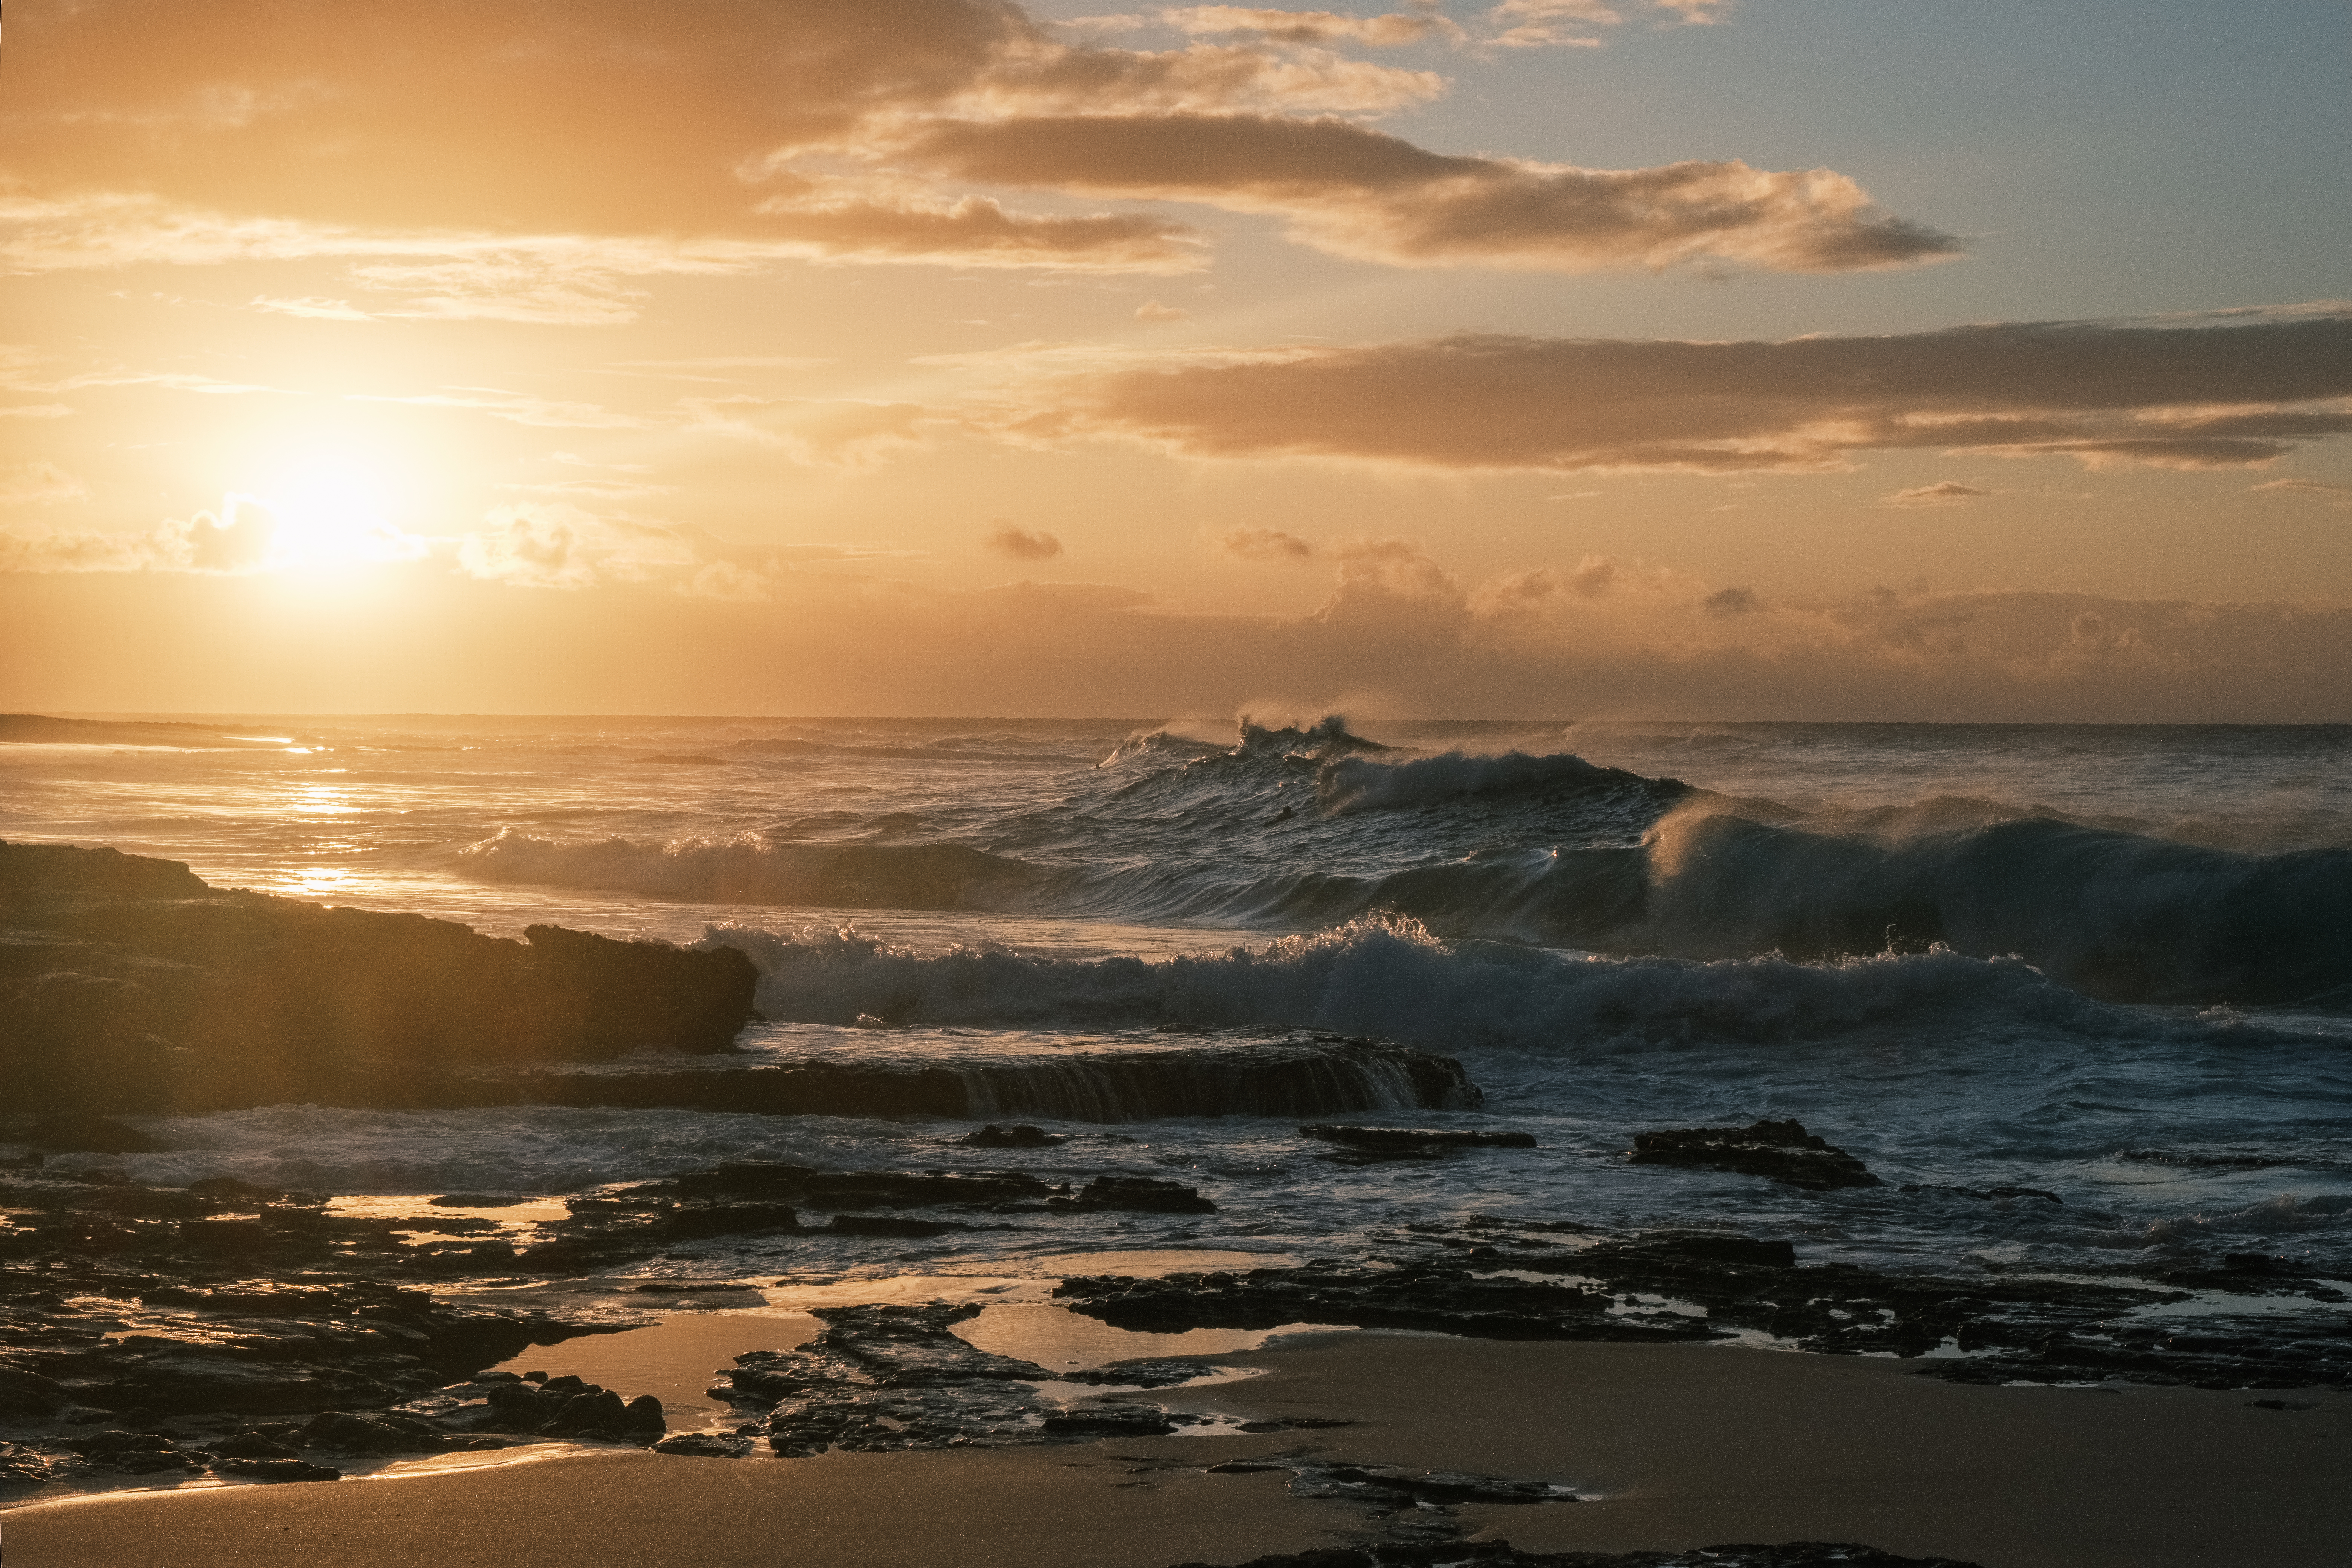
(1393, 979)
(1308, 826)
(2115, 914)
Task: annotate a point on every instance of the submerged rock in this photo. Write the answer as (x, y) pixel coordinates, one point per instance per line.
(1367, 1143)
(1780, 1151)
(1019, 1136)
(704, 1446)
(1140, 1195)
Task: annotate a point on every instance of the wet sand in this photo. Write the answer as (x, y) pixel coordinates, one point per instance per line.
(1683, 1445)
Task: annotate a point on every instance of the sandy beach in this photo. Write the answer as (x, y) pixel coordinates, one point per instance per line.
(1675, 1447)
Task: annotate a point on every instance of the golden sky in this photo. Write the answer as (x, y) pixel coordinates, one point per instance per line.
(1889, 359)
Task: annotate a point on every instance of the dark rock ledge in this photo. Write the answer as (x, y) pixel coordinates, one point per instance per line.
(1502, 1555)
(1697, 1286)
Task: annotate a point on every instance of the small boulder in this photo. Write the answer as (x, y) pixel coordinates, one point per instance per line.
(77, 1133)
(597, 1415)
(644, 1415)
(1779, 1150)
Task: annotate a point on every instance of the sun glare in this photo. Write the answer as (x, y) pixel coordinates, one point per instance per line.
(333, 509)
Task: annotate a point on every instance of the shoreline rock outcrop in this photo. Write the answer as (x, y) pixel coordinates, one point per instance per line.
(129, 987)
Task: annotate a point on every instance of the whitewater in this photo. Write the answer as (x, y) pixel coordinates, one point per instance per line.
(2080, 994)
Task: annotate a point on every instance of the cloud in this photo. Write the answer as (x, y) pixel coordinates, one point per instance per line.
(521, 408)
(502, 160)
(237, 538)
(1389, 31)
(38, 484)
(1362, 194)
(1732, 601)
(2340, 495)
(1547, 24)
(1153, 310)
(1258, 545)
(543, 544)
(820, 433)
(1945, 492)
(313, 310)
(1021, 544)
(1398, 635)
(2105, 394)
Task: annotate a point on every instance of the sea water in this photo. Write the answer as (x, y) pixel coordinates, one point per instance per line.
(2109, 968)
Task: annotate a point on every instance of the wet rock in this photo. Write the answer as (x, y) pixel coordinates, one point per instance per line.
(1275, 1072)
(599, 1413)
(889, 1224)
(1439, 1297)
(690, 1287)
(28, 1393)
(521, 1406)
(253, 1446)
(1687, 1284)
(1397, 1485)
(644, 1415)
(1143, 1194)
(1780, 1151)
(891, 1377)
(1110, 1421)
(1019, 1136)
(478, 1201)
(280, 1470)
(1409, 1143)
(23, 1466)
(383, 1434)
(704, 1446)
(78, 1133)
(133, 1453)
(1502, 1555)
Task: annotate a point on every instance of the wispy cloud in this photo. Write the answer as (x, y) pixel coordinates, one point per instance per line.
(478, 171)
(2104, 395)
(1944, 492)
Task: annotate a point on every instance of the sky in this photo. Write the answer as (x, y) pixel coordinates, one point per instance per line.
(1899, 360)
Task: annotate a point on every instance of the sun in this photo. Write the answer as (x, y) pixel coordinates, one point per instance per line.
(334, 509)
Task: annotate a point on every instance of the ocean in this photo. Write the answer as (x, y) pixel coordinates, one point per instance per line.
(2080, 995)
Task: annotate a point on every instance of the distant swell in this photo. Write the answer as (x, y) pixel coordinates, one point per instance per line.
(839, 876)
